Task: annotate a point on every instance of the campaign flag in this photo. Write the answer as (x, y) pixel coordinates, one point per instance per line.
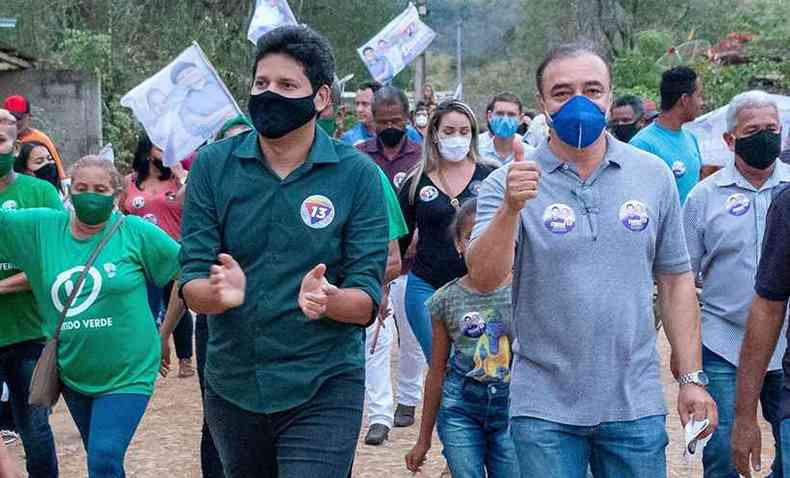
(269, 14)
(183, 105)
(397, 45)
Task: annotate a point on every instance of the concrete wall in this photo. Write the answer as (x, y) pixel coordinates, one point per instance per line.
(66, 106)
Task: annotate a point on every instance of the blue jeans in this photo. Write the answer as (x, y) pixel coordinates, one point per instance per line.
(473, 428)
(17, 362)
(158, 298)
(316, 439)
(784, 429)
(107, 424)
(717, 455)
(209, 458)
(417, 292)
(633, 449)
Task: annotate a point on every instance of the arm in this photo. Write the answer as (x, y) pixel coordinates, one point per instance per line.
(201, 244)
(763, 327)
(693, 217)
(503, 194)
(15, 283)
(433, 395)
(175, 310)
(393, 262)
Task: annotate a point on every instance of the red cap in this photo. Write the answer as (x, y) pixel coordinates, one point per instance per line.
(17, 104)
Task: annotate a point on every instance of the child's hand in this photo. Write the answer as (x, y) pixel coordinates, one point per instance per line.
(416, 457)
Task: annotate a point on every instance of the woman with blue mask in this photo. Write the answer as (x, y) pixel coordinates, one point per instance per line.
(449, 173)
(503, 115)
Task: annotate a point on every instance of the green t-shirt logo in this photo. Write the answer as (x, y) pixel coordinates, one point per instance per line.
(64, 285)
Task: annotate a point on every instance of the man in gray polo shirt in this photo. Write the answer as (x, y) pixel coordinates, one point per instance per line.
(724, 220)
(586, 386)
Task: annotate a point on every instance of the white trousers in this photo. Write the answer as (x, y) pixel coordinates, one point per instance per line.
(411, 361)
(378, 384)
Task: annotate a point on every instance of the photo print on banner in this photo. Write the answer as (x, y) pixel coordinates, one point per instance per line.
(183, 105)
(397, 45)
(269, 14)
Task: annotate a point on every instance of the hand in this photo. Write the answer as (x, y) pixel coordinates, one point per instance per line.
(164, 367)
(416, 456)
(228, 282)
(179, 172)
(694, 401)
(522, 179)
(315, 293)
(745, 441)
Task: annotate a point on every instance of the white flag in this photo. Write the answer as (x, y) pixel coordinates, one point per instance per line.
(459, 92)
(183, 105)
(269, 14)
(397, 45)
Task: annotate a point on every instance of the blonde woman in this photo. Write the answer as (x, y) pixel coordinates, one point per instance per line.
(450, 172)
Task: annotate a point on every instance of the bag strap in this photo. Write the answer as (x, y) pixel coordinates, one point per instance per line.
(95, 254)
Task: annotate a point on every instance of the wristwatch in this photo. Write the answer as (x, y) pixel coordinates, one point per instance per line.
(697, 378)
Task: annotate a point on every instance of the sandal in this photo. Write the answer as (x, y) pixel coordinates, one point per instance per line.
(185, 368)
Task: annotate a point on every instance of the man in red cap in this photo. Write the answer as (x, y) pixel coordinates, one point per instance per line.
(19, 106)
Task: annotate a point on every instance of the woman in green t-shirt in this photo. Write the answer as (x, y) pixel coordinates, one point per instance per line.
(109, 350)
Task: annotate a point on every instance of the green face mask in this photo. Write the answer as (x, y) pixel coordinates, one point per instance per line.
(92, 208)
(328, 125)
(6, 163)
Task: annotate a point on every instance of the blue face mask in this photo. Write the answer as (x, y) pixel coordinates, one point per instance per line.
(503, 126)
(579, 123)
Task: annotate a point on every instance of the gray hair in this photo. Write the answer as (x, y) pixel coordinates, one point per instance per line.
(745, 101)
(93, 161)
(389, 95)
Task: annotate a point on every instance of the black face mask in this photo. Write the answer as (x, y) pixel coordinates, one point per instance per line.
(759, 150)
(624, 132)
(159, 164)
(391, 137)
(522, 129)
(48, 173)
(274, 116)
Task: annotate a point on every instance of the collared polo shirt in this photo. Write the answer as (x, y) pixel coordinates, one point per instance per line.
(398, 167)
(587, 250)
(724, 220)
(487, 149)
(360, 133)
(265, 355)
(678, 149)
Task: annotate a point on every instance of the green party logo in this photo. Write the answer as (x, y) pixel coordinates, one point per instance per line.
(86, 296)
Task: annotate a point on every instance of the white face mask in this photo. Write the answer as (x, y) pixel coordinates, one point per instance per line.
(455, 148)
(421, 121)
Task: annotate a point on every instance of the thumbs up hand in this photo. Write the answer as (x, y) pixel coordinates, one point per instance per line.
(228, 282)
(522, 179)
(315, 293)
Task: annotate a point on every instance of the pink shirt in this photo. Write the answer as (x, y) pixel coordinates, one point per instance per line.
(161, 208)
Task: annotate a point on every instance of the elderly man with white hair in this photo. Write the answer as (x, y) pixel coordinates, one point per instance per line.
(724, 221)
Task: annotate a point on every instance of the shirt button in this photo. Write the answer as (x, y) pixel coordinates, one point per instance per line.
(492, 390)
(565, 167)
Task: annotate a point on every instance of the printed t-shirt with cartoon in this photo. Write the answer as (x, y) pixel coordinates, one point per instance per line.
(480, 327)
(109, 342)
(19, 317)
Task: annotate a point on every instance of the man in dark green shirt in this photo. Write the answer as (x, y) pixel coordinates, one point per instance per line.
(284, 246)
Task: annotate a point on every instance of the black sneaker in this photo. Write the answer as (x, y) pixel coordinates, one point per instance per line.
(377, 434)
(8, 437)
(404, 416)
